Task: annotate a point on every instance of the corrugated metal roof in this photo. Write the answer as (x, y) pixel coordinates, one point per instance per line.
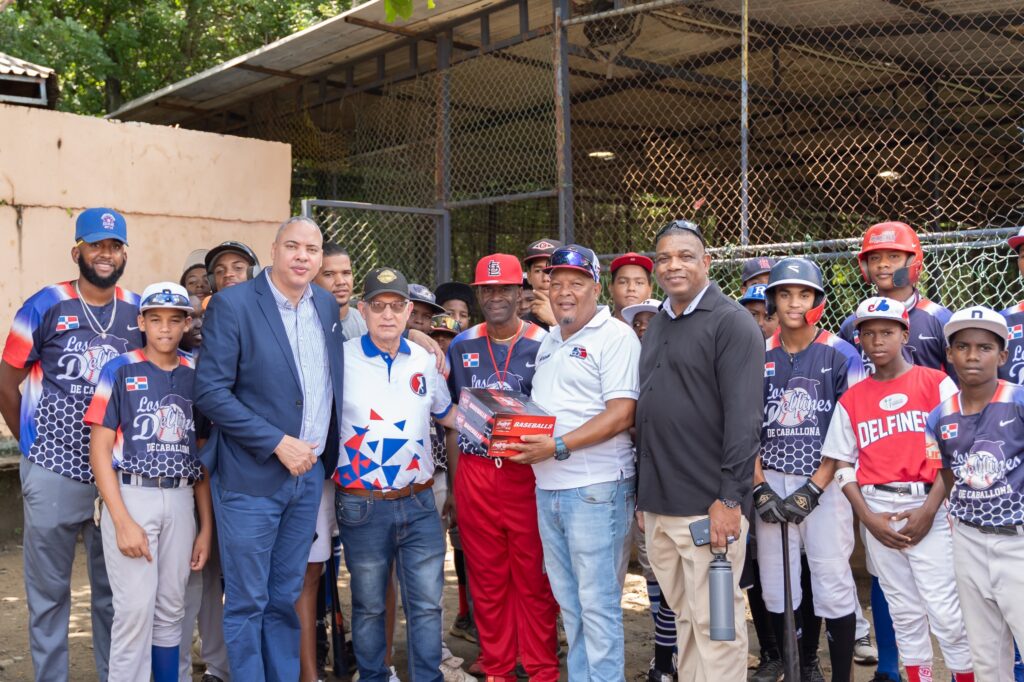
(19, 67)
(302, 55)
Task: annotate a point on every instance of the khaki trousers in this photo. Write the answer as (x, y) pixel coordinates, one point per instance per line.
(682, 572)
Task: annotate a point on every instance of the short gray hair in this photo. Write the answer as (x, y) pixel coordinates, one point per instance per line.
(292, 220)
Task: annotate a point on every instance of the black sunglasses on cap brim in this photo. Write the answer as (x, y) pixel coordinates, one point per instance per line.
(685, 225)
(571, 258)
(166, 299)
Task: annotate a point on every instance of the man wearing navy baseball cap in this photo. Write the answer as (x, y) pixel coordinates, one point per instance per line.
(60, 340)
(588, 377)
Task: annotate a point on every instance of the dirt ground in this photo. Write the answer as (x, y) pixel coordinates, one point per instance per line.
(15, 661)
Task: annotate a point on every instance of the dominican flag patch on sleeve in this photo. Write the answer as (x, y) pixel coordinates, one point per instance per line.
(470, 359)
(1016, 332)
(947, 431)
(66, 322)
(769, 369)
(136, 383)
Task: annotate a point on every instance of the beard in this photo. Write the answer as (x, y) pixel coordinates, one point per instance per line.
(93, 278)
(566, 321)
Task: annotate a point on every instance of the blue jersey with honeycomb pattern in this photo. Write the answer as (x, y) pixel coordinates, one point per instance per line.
(800, 394)
(1013, 369)
(471, 366)
(985, 452)
(927, 344)
(51, 337)
(150, 410)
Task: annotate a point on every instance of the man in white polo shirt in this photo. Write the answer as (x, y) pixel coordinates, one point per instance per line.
(587, 376)
(384, 502)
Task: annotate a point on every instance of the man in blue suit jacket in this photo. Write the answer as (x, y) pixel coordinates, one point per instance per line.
(270, 380)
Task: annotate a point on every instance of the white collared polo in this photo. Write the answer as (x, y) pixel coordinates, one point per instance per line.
(575, 377)
(385, 423)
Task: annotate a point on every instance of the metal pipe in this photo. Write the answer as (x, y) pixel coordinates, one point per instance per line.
(744, 124)
(308, 204)
(563, 134)
(633, 9)
(486, 201)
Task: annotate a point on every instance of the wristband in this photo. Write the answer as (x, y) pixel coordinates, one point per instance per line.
(845, 475)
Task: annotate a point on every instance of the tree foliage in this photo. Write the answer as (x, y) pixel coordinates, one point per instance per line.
(107, 52)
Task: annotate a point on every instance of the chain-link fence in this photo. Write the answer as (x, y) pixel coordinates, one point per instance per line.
(414, 241)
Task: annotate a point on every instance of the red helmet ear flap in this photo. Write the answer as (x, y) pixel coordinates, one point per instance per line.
(814, 314)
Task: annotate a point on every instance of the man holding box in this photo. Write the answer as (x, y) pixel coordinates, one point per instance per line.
(513, 607)
(588, 378)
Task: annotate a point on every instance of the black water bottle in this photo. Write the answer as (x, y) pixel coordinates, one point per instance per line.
(723, 624)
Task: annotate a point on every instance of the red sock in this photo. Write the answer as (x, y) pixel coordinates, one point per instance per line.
(919, 673)
(463, 602)
(964, 677)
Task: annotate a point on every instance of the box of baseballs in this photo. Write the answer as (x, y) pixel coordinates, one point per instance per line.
(492, 419)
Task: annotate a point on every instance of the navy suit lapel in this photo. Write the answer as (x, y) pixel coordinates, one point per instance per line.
(333, 338)
(268, 305)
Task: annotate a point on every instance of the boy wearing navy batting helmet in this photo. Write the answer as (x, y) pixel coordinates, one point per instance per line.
(806, 371)
(978, 436)
(879, 426)
(143, 452)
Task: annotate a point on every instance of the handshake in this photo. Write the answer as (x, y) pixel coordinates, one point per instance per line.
(794, 509)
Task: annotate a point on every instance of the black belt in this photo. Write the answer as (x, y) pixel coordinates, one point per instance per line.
(901, 488)
(158, 482)
(994, 530)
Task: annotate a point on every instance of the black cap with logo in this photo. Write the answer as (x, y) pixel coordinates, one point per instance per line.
(385, 281)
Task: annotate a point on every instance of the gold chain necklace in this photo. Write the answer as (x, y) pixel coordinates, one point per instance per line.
(518, 329)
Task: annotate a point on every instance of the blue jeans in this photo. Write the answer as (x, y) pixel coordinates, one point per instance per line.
(375, 535)
(264, 546)
(585, 532)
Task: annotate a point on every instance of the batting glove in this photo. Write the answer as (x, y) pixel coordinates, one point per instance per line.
(769, 504)
(802, 502)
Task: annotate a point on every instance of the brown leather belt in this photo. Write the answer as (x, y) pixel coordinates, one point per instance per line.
(391, 494)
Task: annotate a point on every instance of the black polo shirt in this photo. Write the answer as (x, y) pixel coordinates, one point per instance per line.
(698, 418)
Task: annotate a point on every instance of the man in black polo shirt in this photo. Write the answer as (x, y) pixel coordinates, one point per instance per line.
(698, 423)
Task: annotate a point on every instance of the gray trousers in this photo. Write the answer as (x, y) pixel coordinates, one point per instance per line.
(204, 602)
(56, 509)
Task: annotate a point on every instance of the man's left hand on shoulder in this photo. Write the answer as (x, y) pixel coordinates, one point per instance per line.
(533, 449)
(725, 524)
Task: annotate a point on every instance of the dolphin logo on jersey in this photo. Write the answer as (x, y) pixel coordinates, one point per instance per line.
(418, 383)
(83, 360)
(508, 382)
(984, 465)
(168, 421)
(796, 405)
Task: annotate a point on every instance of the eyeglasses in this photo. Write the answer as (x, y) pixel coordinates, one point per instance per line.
(166, 298)
(440, 323)
(684, 225)
(576, 259)
(378, 307)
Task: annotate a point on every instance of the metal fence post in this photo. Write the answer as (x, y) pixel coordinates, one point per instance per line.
(563, 137)
(744, 124)
(442, 158)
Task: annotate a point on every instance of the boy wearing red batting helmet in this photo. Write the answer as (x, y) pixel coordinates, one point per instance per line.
(879, 426)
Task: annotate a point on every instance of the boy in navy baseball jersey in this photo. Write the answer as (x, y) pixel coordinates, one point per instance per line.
(806, 372)
(1013, 369)
(144, 455)
(978, 434)
(891, 259)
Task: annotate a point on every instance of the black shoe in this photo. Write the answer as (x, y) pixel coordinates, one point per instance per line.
(768, 670)
(812, 672)
(655, 675)
(207, 677)
(882, 677)
(521, 672)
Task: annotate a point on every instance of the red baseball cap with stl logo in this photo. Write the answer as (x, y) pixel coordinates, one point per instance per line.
(498, 269)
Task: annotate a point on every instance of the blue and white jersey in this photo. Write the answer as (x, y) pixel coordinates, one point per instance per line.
(151, 411)
(926, 345)
(51, 337)
(472, 366)
(985, 452)
(1013, 370)
(800, 394)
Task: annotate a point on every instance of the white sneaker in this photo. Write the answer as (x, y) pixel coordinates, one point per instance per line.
(864, 652)
(394, 675)
(456, 674)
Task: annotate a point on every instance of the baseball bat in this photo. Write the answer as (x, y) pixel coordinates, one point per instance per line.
(790, 651)
(340, 657)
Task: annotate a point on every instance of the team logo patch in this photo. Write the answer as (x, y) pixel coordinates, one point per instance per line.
(493, 268)
(386, 276)
(136, 383)
(881, 306)
(1016, 332)
(107, 220)
(578, 352)
(418, 383)
(947, 431)
(543, 245)
(769, 369)
(66, 322)
(882, 237)
(470, 359)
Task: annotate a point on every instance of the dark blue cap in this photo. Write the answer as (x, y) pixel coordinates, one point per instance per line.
(96, 224)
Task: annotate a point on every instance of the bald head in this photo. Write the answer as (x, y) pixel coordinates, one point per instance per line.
(296, 254)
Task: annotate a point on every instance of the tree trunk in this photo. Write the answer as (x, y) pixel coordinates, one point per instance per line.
(112, 90)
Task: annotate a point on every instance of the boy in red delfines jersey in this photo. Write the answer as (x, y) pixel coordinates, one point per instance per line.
(879, 426)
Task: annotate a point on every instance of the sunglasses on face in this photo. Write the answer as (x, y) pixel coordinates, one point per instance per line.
(397, 307)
